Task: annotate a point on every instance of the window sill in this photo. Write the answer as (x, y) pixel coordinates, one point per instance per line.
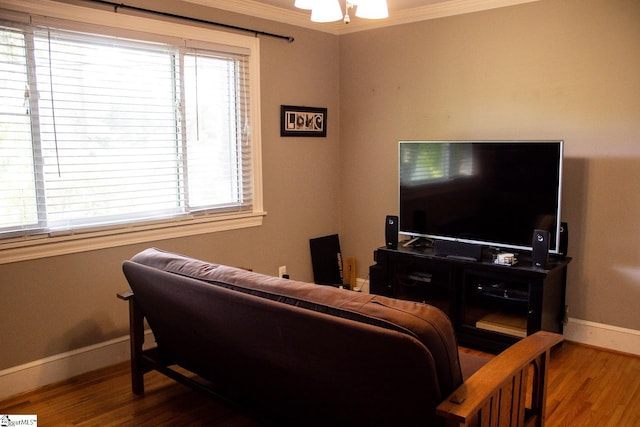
(30, 249)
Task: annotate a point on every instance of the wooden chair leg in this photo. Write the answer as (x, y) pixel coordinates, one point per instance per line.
(136, 341)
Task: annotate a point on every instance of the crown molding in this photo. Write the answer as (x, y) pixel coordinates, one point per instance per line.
(431, 11)
(302, 19)
(271, 13)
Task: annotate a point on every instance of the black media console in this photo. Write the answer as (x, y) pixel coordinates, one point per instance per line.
(491, 305)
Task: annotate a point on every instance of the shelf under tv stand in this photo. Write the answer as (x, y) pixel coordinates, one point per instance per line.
(491, 305)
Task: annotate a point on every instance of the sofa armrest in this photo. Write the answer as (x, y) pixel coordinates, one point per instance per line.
(501, 392)
(125, 295)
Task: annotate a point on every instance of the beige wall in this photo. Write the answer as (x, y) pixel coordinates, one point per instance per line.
(57, 304)
(549, 69)
(552, 69)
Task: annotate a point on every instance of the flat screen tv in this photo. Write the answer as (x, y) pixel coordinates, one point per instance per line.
(492, 193)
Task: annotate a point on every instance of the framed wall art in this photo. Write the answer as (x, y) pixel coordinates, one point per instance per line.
(303, 121)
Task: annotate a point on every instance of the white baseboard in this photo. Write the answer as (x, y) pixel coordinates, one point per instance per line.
(59, 367)
(604, 336)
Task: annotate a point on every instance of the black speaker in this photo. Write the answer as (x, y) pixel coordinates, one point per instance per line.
(564, 238)
(326, 260)
(391, 231)
(540, 244)
(458, 250)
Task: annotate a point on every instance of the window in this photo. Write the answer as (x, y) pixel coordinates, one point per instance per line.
(435, 162)
(100, 132)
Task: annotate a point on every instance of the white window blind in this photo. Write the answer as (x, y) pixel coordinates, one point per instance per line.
(102, 131)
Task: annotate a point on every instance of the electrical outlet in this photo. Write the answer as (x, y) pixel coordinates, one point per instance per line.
(282, 271)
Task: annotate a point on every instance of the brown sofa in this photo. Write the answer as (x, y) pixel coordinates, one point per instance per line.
(302, 354)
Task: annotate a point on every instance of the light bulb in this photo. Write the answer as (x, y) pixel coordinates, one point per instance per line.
(372, 9)
(326, 11)
(305, 4)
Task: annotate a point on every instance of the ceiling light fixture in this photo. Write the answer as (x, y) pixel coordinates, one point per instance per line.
(330, 10)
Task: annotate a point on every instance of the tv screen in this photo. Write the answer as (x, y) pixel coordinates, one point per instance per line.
(491, 193)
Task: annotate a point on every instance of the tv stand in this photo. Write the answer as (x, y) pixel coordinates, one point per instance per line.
(490, 305)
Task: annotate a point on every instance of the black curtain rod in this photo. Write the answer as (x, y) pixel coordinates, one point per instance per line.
(117, 6)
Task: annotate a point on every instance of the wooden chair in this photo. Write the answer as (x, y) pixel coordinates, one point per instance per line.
(509, 391)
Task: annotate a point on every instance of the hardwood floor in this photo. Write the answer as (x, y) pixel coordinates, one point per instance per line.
(587, 387)
(104, 398)
(592, 387)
